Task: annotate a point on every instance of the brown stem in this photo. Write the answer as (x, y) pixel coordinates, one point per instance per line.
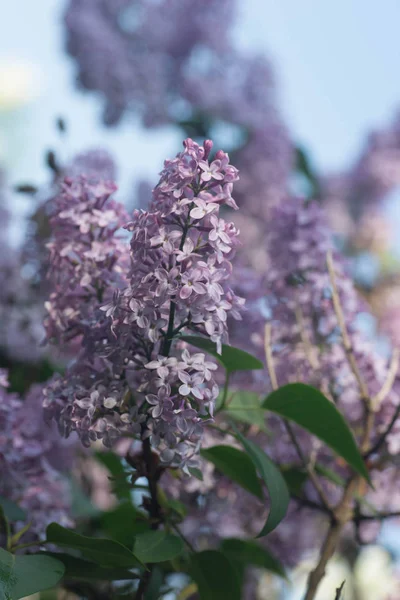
(344, 511)
(152, 474)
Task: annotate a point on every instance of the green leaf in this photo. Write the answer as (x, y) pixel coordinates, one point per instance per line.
(233, 359)
(22, 576)
(156, 582)
(81, 506)
(251, 553)
(113, 464)
(276, 486)
(295, 479)
(157, 546)
(246, 407)
(106, 552)
(12, 511)
(215, 576)
(236, 465)
(196, 473)
(309, 408)
(78, 568)
(124, 523)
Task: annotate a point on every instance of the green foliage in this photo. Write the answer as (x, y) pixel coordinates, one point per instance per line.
(157, 546)
(215, 576)
(124, 523)
(113, 464)
(246, 408)
(236, 465)
(276, 486)
(249, 552)
(80, 569)
(295, 479)
(22, 576)
(11, 510)
(196, 473)
(233, 359)
(309, 408)
(106, 552)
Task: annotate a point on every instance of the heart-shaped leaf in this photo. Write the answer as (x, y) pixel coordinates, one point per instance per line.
(78, 568)
(106, 552)
(157, 546)
(246, 407)
(250, 553)
(22, 576)
(215, 576)
(11, 510)
(309, 408)
(236, 465)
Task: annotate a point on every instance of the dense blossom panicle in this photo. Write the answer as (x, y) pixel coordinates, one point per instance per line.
(84, 254)
(130, 376)
(29, 465)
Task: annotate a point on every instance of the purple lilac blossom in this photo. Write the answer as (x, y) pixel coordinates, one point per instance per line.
(27, 476)
(174, 277)
(294, 295)
(175, 61)
(374, 175)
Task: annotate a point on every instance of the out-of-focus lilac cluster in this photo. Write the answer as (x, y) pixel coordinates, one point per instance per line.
(295, 297)
(84, 252)
(130, 53)
(374, 175)
(20, 317)
(30, 462)
(126, 379)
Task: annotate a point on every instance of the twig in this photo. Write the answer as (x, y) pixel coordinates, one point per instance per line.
(343, 329)
(184, 538)
(274, 383)
(344, 511)
(377, 517)
(382, 438)
(339, 591)
(388, 384)
(268, 356)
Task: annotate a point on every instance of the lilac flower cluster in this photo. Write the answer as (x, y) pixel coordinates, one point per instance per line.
(84, 253)
(28, 463)
(130, 53)
(20, 317)
(126, 379)
(373, 177)
(307, 340)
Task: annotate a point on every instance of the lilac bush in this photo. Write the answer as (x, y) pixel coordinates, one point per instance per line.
(213, 461)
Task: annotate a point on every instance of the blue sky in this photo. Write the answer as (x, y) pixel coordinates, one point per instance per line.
(336, 65)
